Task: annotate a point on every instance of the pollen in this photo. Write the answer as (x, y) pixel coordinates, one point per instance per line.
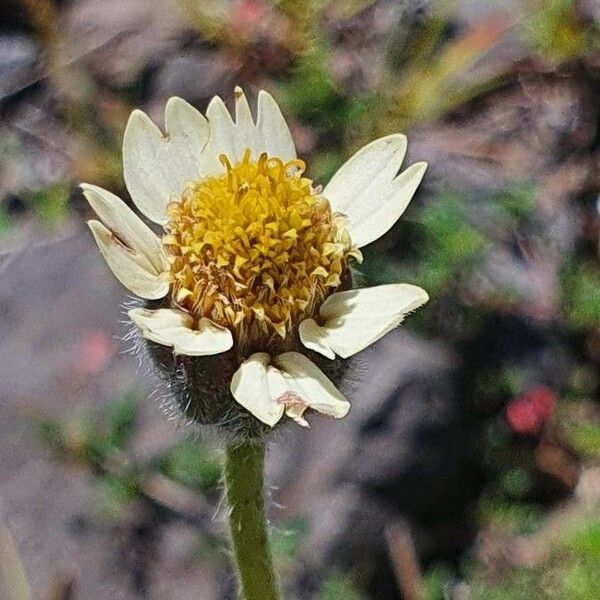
(256, 249)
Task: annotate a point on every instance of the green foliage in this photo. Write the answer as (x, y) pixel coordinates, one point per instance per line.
(338, 586)
(348, 8)
(453, 241)
(517, 517)
(580, 581)
(572, 578)
(503, 383)
(51, 204)
(515, 482)
(521, 586)
(428, 74)
(435, 582)
(311, 93)
(584, 437)
(450, 246)
(516, 201)
(50, 433)
(90, 440)
(5, 223)
(119, 425)
(313, 96)
(192, 464)
(101, 444)
(287, 539)
(569, 572)
(323, 165)
(585, 540)
(580, 286)
(114, 493)
(555, 30)
(208, 17)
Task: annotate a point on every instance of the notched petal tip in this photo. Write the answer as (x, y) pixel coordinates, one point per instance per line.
(175, 103)
(137, 120)
(370, 191)
(158, 166)
(355, 319)
(397, 142)
(216, 111)
(233, 133)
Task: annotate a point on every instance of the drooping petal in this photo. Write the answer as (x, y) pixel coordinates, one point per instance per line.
(366, 188)
(231, 137)
(131, 270)
(288, 383)
(133, 252)
(126, 225)
(172, 327)
(355, 319)
(207, 338)
(311, 385)
(250, 387)
(157, 167)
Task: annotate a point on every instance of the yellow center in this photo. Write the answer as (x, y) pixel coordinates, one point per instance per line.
(255, 249)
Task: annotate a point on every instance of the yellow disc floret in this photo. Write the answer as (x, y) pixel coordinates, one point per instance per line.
(256, 249)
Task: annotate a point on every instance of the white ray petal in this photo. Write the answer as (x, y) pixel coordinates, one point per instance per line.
(129, 267)
(367, 191)
(157, 167)
(355, 319)
(127, 226)
(311, 385)
(250, 387)
(231, 137)
(290, 383)
(133, 252)
(247, 134)
(160, 319)
(273, 129)
(173, 327)
(222, 137)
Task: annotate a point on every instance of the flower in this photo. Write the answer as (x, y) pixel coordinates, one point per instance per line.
(254, 259)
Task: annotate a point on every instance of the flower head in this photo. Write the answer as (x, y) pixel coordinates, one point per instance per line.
(254, 249)
(251, 278)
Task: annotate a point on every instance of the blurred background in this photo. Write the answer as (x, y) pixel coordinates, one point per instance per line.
(469, 466)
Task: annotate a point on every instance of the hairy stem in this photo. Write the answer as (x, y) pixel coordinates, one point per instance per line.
(244, 483)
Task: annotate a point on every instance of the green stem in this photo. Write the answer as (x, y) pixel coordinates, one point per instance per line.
(244, 483)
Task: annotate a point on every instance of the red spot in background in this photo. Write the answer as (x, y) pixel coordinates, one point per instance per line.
(248, 14)
(529, 411)
(96, 350)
